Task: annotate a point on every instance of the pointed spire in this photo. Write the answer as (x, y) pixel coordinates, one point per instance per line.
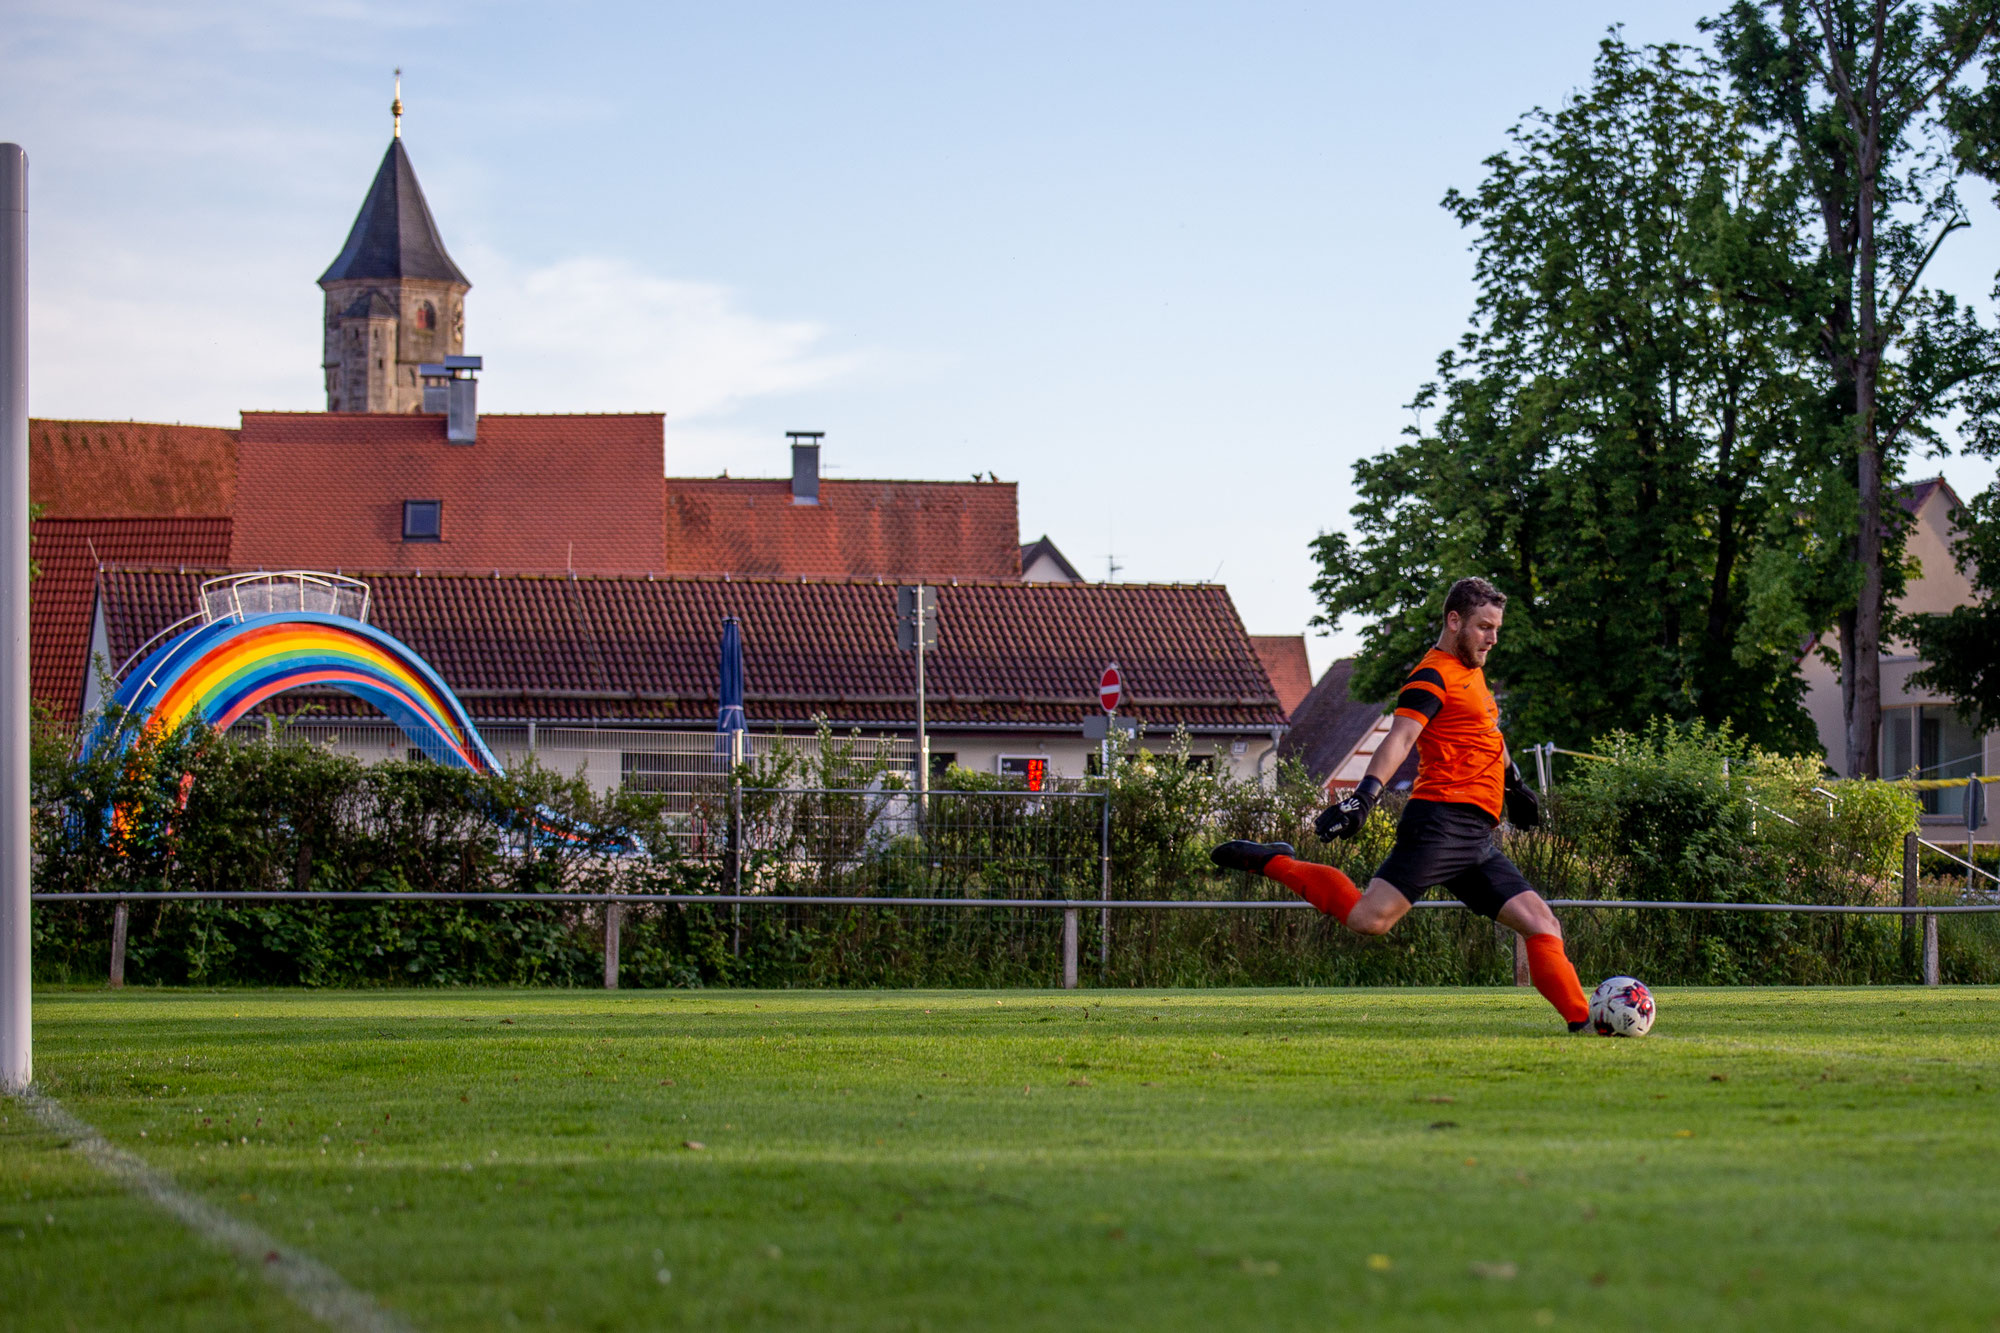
(394, 235)
(396, 108)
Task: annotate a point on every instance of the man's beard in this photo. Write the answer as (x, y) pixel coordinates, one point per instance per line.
(1467, 657)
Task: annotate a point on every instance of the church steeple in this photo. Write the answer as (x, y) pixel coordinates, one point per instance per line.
(394, 299)
(394, 235)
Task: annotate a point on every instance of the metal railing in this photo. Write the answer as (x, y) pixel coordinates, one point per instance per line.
(1070, 907)
(261, 593)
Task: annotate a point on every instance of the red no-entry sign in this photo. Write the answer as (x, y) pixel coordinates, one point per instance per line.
(1109, 687)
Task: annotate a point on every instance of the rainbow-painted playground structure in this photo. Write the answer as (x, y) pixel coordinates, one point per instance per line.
(264, 634)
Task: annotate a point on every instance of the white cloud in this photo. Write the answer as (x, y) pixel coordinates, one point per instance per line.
(114, 338)
(592, 334)
(121, 333)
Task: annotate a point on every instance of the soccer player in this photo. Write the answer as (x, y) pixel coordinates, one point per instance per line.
(1465, 782)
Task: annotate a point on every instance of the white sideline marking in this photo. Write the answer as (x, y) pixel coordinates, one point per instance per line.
(315, 1288)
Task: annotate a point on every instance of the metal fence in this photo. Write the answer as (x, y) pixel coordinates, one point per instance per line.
(1924, 916)
(690, 768)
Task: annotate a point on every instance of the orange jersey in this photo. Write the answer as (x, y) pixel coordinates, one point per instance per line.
(1460, 753)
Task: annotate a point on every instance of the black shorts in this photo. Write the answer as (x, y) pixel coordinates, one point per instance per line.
(1451, 844)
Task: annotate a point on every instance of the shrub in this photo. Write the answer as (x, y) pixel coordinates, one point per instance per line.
(1680, 813)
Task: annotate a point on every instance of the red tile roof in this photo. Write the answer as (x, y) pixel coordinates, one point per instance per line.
(938, 530)
(1285, 662)
(325, 490)
(1010, 655)
(60, 600)
(130, 469)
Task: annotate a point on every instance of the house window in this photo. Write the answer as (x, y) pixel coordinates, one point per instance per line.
(1032, 769)
(942, 762)
(1931, 741)
(423, 520)
(427, 316)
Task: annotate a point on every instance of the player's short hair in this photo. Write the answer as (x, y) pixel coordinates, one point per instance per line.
(1468, 595)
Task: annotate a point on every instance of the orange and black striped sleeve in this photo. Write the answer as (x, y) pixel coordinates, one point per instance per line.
(1422, 696)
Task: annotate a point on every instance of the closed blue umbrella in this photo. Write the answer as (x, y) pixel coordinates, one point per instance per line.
(729, 712)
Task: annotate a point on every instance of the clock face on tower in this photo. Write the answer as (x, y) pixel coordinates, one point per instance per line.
(458, 321)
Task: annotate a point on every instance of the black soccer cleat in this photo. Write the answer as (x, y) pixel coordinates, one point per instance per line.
(1243, 854)
(1579, 1028)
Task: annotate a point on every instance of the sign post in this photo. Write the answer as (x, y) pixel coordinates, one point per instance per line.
(1110, 689)
(1975, 815)
(916, 630)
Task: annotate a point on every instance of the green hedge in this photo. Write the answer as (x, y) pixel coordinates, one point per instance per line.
(1678, 813)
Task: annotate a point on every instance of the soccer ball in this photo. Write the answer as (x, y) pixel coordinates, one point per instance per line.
(1621, 1007)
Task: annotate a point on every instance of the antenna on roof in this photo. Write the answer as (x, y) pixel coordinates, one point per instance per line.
(396, 107)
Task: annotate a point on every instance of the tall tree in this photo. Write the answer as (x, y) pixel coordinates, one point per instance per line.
(1613, 442)
(1879, 103)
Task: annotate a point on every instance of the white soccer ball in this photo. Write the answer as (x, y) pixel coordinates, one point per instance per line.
(1604, 988)
(1621, 1007)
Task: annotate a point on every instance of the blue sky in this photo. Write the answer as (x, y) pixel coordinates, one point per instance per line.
(1173, 268)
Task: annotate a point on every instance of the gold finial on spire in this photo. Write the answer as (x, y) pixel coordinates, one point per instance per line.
(396, 107)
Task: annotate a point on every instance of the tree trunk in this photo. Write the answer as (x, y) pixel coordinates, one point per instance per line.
(1719, 639)
(1864, 699)
(1865, 716)
(1844, 627)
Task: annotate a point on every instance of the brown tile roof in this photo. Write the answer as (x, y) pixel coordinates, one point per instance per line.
(130, 469)
(1010, 655)
(325, 490)
(859, 529)
(1285, 662)
(60, 600)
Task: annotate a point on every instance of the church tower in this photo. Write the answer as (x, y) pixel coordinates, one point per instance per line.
(394, 299)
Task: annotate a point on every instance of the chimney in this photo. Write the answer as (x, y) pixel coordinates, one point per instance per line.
(450, 387)
(805, 465)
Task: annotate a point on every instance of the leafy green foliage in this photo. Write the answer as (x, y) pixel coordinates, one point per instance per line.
(1616, 443)
(1664, 822)
(1881, 108)
(1686, 812)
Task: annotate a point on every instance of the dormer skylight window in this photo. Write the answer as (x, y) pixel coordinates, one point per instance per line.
(423, 520)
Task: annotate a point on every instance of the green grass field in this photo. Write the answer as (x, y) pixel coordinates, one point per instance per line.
(1155, 1160)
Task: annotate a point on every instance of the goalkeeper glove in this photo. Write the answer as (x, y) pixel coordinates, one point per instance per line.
(1524, 808)
(1344, 818)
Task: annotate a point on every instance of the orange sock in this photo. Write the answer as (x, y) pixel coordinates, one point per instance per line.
(1324, 887)
(1549, 968)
